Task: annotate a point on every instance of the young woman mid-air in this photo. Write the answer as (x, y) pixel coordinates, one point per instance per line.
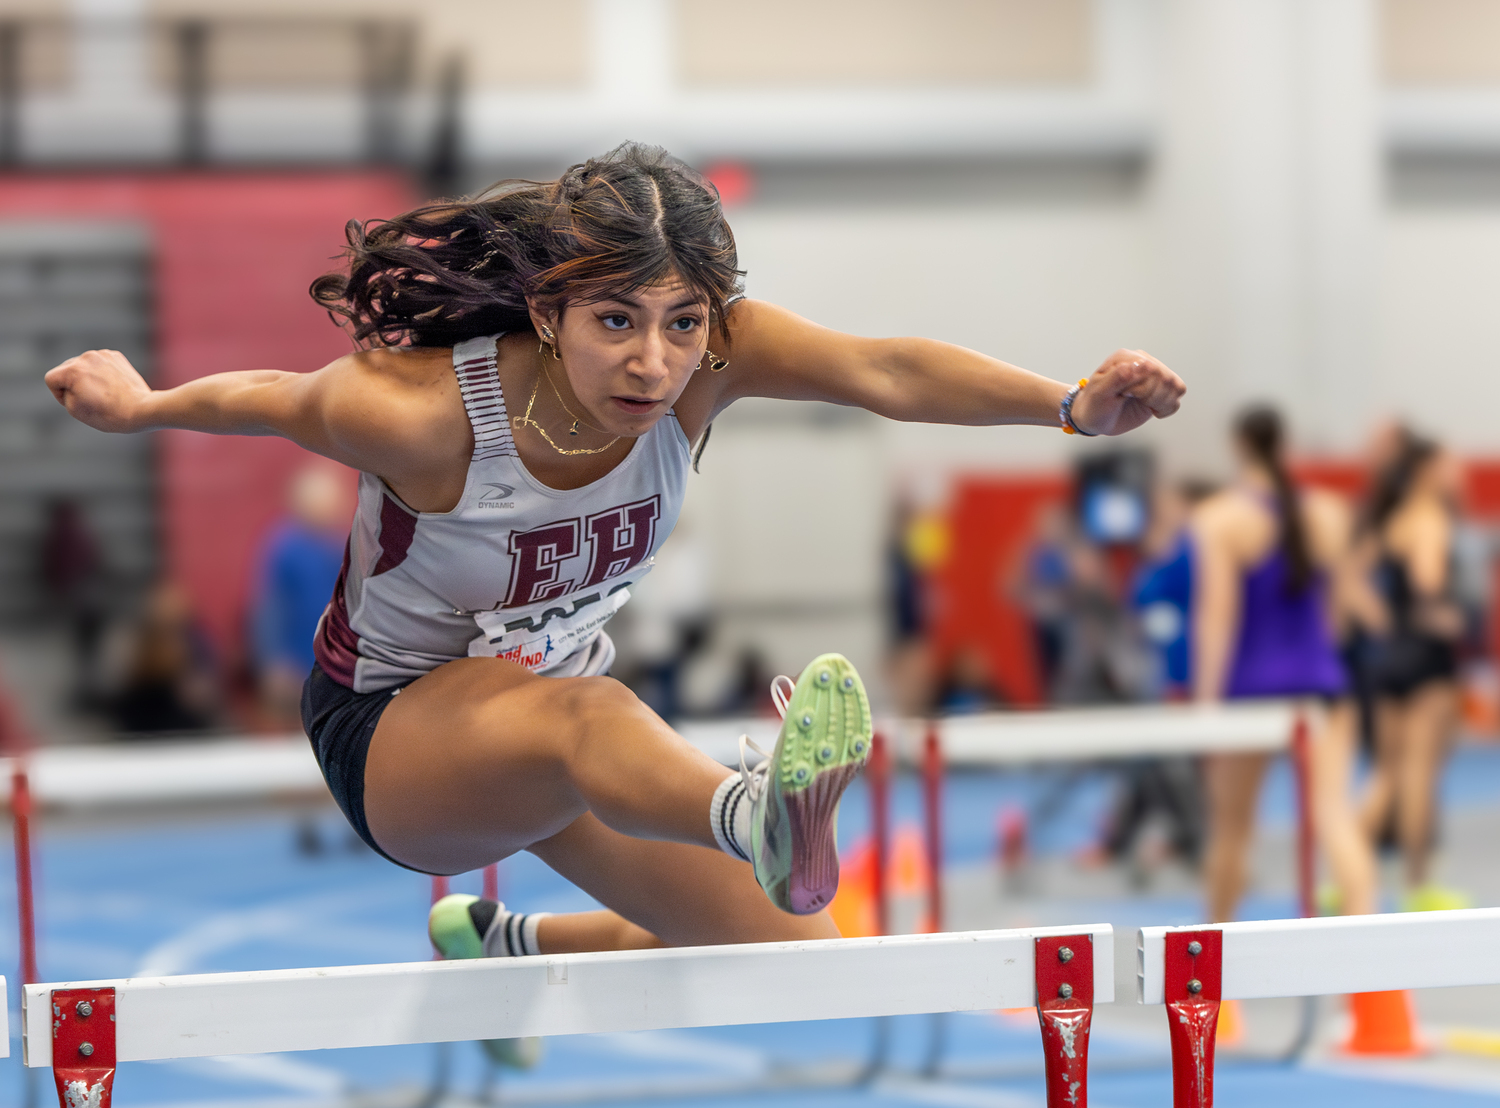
(535, 363)
(1271, 563)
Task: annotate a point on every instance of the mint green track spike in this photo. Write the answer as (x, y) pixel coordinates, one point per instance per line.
(452, 930)
(825, 738)
(454, 936)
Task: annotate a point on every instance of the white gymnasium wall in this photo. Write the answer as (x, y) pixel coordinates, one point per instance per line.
(1438, 336)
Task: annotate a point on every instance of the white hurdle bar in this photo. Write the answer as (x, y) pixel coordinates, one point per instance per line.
(634, 990)
(998, 739)
(129, 774)
(83, 1029)
(1339, 954)
(1192, 969)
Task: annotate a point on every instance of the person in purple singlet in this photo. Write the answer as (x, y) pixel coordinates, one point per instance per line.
(1271, 563)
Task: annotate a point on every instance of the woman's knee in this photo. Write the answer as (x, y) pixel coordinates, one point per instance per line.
(592, 708)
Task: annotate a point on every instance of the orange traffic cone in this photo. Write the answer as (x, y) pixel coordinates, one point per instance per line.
(908, 868)
(853, 908)
(1383, 1023)
(1231, 1024)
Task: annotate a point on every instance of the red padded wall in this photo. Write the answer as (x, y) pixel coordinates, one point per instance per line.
(234, 254)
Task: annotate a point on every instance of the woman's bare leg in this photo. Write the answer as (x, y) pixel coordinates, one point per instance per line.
(1379, 799)
(679, 894)
(1429, 718)
(1233, 782)
(1349, 852)
(480, 758)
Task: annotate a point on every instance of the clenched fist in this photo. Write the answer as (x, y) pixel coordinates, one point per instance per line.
(101, 388)
(1127, 390)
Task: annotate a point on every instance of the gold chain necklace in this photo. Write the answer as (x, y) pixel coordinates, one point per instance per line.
(527, 421)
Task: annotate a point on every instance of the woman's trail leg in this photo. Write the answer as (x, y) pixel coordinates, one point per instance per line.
(1429, 718)
(1233, 782)
(1350, 855)
(676, 894)
(480, 758)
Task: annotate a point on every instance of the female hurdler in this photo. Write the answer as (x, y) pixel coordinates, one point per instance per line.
(535, 363)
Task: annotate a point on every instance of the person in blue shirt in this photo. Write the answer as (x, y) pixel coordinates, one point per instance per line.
(299, 563)
(1163, 591)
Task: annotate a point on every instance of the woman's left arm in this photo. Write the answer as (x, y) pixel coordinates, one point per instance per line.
(778, 354)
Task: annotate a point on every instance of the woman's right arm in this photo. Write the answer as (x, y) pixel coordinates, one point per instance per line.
(380, 411)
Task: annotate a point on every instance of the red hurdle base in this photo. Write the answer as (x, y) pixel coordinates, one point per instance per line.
(1194, 986)
(83, 1046)
(1065, 1008)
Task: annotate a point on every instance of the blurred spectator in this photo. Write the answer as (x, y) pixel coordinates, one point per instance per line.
(169, 680)
(1102, 658)
(966, 686)
(73, 573)
(667, 628)
(1163, 790)
(918, 546)
(1043, 589)
(1413, 668)
(298, 566)
(1163, 590)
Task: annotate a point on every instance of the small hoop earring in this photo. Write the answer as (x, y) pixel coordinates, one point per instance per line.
(716, 364)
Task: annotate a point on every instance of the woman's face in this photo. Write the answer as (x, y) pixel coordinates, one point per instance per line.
(625, 361)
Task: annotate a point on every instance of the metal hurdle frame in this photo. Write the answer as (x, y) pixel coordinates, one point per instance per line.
(84, 1029)
(1191, 970)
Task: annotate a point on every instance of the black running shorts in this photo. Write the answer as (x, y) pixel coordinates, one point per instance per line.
(340, 723)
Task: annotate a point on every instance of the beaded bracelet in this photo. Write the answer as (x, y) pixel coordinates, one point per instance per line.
(1065, 411)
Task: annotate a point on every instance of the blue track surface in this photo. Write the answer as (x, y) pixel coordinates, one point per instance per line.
(234, 894)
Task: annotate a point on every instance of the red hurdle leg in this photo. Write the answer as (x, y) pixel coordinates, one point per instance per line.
(1194, 980)
(83, 1046)
(1065, 1007)
(932, 796)
(20, 810)
(879, 774)
(491, 889)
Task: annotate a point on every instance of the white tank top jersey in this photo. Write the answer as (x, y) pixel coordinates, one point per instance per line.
(516, 570)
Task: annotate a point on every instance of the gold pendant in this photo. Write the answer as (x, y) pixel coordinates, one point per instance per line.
(574, 429)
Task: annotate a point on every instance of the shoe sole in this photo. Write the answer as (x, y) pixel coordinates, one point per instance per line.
(824, 741)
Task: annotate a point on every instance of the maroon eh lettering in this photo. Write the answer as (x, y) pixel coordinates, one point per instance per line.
(621, 537)
(535, 560)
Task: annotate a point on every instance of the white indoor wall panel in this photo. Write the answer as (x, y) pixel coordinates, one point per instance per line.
(1439, 330)
(1052, 287)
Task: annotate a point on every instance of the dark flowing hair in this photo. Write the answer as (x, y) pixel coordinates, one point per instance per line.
(1260, 430)
(1394, 482)
(456, 269)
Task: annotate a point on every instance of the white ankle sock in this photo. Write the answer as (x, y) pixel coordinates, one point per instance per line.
(512, 934)
(729, 815)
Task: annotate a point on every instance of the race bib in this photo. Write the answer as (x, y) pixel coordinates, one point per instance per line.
(541, 636)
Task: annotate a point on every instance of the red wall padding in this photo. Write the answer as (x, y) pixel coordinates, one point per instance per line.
(234, 254)
(992, 518)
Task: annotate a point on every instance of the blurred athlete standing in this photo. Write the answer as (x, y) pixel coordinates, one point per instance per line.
(1270, 563)
(1413, 669)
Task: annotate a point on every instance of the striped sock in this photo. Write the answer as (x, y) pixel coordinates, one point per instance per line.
(729, 815)
(506, 934)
